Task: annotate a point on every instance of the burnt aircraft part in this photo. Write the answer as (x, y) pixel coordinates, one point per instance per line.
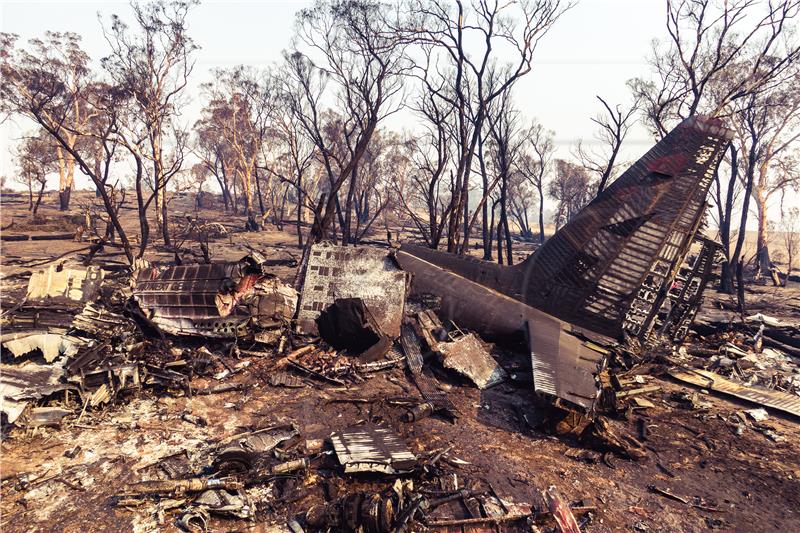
(426, 385)
(564, 365)
(478, 307)
(181, 299)
(353, 272)
(611, 267)
(55, 285)
(215, 300)
(686, 293)
(468, 356)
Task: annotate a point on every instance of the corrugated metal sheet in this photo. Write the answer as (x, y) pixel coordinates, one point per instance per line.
(783, 401)
(216, 300)
(564, 365)
(426, 385)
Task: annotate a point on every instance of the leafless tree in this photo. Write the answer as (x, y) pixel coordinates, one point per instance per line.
(520, 202)
(466, 43)
(288, 157)
(768, 127)
(720, 59)
(36, 158)
(386, 162)
(571, 190)
(152, 63)
(36, 87)
(614, 126)
(506, 142)
(726, 195)
(535, 162)
(348, 59)
(431, 153)
(707, 40)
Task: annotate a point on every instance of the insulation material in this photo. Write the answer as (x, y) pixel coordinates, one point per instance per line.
(372, 449)
(72, 284)
(468, 356)
(21, 384)
(370, 274)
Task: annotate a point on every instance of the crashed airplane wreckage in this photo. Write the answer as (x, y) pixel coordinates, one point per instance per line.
(615, 272)
(614, 280)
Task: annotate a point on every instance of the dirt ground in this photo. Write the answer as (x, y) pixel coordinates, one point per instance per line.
(723, 477)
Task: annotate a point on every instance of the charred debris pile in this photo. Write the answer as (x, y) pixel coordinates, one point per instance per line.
(81, 343)
(583, 330)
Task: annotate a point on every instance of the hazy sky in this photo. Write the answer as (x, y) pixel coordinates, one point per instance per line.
(593, 49)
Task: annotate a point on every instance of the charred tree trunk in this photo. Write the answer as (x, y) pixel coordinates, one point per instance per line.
(299, 211)
(487, 227)
(348, 208)
(258, 191)
(500, 238)
(64, 197)
(725, 216)
(740, 287)
(35, 207)
(490, 232)
(507, 232)
(541, 213)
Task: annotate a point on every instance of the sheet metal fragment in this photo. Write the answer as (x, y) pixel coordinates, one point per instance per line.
(70, 284)
(22, 384)
(372, 449)
(468, 356)
(782, 401)
(50, 344)
(564, 365)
